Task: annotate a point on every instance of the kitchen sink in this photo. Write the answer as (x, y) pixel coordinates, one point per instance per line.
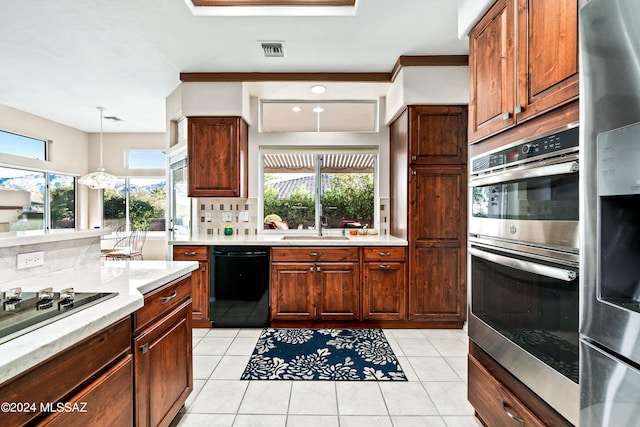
(315, 238)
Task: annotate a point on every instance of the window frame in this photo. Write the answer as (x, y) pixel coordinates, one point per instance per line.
(127, 160)
(45, 146)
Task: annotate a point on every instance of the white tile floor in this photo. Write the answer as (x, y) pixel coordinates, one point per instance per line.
(435, 395)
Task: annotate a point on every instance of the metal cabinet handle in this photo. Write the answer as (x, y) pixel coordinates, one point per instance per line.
(384, 266)
(190, 253)
(518, 109)
(311, 268)
(506, 115)
(318, 269)
(414, 157)
(315, 253)
(165, 300)
(517, 420)
(384, 253)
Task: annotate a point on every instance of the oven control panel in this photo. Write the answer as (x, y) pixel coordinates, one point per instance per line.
(540, 147)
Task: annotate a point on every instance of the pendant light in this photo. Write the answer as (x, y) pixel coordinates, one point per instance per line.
(99, 179)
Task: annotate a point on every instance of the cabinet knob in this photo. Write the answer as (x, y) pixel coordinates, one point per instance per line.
(311, 268)
(414, 157)
(413, 173)
(144, 348)
(506, 115)
(518, 109)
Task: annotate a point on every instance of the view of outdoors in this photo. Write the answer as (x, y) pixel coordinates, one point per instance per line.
(146, 202)
(30, 187)
(347, 193)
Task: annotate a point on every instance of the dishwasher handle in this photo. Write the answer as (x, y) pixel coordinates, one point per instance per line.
(247, 254)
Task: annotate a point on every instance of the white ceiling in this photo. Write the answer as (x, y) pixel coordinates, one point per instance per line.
(59, 59)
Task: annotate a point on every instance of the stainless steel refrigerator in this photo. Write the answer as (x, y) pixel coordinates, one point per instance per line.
(610, 213)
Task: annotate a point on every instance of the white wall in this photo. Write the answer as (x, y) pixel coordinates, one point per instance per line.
(427, 86)
(469, 13)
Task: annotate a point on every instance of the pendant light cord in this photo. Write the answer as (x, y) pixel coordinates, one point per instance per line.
(101, 168)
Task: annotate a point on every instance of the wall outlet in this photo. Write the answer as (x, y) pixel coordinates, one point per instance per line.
(243, 216)
(207, 216)
(226, 216)
(32, 259)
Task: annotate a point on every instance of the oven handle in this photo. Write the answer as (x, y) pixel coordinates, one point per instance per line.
(529, 171)
(531, 267)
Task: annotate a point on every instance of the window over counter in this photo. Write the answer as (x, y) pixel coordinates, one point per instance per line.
(318, 116)
(136, 201)
(36, 200)
(303, 187)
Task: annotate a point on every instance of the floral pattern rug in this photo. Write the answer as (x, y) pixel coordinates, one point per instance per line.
(323, 354)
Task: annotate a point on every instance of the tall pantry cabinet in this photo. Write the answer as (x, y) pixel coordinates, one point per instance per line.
(428, 172)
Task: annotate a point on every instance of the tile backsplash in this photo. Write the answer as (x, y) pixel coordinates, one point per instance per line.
(214, 213)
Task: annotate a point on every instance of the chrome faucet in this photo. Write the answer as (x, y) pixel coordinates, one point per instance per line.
(320, 227)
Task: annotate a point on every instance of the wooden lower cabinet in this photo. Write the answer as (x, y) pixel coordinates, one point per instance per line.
(94, 406)
(200, 281)
(384, 284)
(97, 370)
(163, 354)
(499, 399)
(315, 284)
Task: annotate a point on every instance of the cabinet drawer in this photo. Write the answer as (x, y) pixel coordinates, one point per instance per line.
(311, 254)
(162, 300)
(190, 253)
(385, 254)
(54, 379)
(495, 405)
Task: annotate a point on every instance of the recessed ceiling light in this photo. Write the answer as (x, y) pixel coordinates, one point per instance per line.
(296, 109)
(318, 110)
(318, 89)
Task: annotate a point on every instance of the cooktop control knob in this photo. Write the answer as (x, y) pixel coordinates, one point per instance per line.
(526, 149)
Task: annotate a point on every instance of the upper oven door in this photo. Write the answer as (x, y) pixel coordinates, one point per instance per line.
(535, 203)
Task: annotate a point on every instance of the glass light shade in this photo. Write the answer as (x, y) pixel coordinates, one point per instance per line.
(98, 180)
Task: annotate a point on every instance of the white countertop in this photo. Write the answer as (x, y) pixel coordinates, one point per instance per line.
(31, 237)
(277, 240)
(130, 279)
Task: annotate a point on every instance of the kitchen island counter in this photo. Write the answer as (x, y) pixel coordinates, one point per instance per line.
(268, 239)
(129, 279)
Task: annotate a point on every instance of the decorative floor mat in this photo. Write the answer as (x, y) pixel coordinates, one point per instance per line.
(323, 354)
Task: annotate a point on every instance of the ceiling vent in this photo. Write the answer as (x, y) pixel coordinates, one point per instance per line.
(113, 118)
(272, 49)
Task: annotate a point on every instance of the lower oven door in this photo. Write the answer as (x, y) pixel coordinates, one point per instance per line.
(524, 313)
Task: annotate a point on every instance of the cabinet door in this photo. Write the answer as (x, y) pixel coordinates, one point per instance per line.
(200, 295)
(217, 151)
(437, 134)
(163, 368)
(547, 48)
(292, 287)
(337, 291)
(199, 281)
(437, 260)
(492, 72)
(106, 402)
(384, 291)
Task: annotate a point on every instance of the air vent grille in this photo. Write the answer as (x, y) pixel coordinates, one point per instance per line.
(272, 49)
(113, 118)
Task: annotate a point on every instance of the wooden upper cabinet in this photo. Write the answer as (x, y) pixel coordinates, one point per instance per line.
(217, 156)
(492, 72)
(523, 58)
(547, 59)
(435, 134)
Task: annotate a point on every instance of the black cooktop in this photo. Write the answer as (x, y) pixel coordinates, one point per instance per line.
(22, 312)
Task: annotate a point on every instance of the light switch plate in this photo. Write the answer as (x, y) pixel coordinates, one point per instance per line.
(207, 216)
(243, 216)
(226, 216)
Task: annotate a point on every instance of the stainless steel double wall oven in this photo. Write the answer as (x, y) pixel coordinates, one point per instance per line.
(524, 262)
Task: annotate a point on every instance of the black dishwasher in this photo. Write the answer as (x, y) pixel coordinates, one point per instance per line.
(239, 294)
